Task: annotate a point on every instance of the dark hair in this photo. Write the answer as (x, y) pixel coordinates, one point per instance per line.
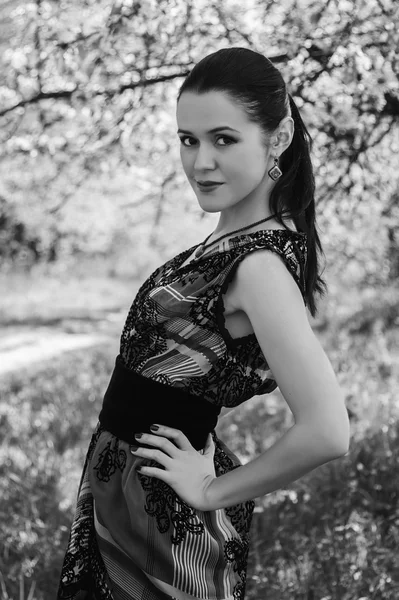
(251, 79)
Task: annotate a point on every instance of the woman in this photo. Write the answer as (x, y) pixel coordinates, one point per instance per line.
(215, 325)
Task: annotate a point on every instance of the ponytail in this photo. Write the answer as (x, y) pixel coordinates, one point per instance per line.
(295, 190)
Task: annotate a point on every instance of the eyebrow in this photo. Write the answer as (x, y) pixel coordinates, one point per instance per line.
(214, 130)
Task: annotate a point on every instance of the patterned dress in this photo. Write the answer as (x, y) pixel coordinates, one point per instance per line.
(133, 537)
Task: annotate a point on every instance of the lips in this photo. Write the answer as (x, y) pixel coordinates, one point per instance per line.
(208, 186)
(209, 182)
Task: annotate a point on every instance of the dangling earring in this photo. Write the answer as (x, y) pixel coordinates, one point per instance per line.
(275, 172)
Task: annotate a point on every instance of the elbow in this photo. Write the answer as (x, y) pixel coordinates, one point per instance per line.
(332, 448)
(340, 442)
(337, 430)
(332, 441)
(341, 450)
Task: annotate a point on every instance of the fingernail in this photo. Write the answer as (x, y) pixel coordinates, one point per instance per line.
(133, 448)
(154, 427)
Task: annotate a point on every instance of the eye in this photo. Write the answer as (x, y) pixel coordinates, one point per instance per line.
(225, 137)
(185, 137)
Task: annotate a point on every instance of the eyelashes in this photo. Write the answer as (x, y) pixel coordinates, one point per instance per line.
(224, 137)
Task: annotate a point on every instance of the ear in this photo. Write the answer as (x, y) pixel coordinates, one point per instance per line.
(283, 137)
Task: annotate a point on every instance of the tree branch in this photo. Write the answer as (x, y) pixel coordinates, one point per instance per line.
(65, 94)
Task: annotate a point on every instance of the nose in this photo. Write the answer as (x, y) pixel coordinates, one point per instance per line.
(204, 159)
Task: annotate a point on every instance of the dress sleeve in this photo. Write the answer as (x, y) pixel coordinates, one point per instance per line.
(293, 259)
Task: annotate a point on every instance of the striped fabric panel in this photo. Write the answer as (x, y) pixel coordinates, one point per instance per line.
(190, 561)
(168, 289)
(169, 301)
(187, 333)
(128, 580)
(226, 529)
(191, 352)
(173, 367)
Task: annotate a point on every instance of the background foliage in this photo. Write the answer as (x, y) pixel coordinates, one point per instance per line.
(89, 146)
(93, 197)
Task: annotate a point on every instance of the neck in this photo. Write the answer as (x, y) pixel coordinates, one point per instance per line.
(223, 227)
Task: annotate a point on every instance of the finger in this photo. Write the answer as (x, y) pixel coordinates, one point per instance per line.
(155, 472)
(158, 455)
(160, 442)
(179, 438)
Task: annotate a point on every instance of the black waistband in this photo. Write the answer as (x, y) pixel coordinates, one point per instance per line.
(133, 402)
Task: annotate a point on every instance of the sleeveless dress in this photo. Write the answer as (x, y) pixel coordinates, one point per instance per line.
(133, 537)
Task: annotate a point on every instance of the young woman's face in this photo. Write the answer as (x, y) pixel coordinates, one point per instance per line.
(236, 158)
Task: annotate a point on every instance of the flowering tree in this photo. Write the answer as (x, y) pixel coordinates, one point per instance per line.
(88, 139)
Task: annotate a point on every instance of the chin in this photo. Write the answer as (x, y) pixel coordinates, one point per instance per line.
(207, 203)
(210, 210)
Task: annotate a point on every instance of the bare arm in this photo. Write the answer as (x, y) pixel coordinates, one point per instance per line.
(270, 297)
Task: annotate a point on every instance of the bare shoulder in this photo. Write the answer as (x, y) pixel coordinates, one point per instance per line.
(264, 274)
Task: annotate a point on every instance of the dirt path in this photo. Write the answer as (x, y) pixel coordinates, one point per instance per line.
(21, 348)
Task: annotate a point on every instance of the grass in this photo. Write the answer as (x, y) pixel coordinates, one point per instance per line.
(332, 535)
